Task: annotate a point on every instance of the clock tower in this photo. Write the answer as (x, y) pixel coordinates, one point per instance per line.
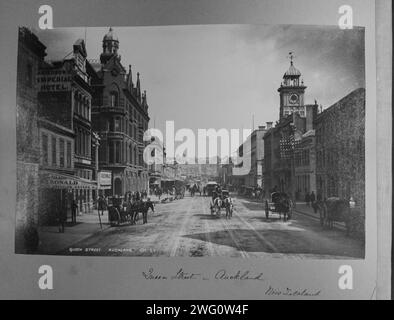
(291, 92)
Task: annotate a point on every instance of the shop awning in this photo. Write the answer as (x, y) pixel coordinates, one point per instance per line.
(54, 180)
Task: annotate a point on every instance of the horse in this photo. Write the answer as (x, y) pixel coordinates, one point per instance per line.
(337, 209)
(285, 207)
(141, 207)
(228, 204)
(216, 207)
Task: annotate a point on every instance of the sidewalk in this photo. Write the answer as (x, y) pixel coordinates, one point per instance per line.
(302, 208)
(52, 241)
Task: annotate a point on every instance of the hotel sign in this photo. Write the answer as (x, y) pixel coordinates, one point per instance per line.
(54, 80)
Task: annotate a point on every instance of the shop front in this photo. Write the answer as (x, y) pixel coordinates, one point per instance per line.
(56, 195)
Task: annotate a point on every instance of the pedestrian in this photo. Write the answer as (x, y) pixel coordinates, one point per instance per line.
(312, 198)
(307, 198)
(137, 196)
(62, 216)
(74, 208)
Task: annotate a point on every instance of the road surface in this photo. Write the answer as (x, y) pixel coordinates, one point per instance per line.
(185, 228)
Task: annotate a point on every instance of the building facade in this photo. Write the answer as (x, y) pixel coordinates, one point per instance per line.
(289, 162)
(254, 177)
(340, 149)
(65, 98)
(120, 117)
(31, 53)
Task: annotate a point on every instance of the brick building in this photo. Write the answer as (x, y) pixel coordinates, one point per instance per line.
(31, 53)
(340, 149)
(120, 116)
(289, 161)
(65, 133)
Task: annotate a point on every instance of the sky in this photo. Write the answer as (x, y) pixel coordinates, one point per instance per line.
(222, 76)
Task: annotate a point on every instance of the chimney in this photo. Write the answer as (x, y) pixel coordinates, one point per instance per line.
(261, 127)
(269, 125)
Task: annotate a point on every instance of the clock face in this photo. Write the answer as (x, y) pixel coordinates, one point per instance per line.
(293, 98)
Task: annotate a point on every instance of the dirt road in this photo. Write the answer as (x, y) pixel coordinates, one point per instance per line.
(186, 228)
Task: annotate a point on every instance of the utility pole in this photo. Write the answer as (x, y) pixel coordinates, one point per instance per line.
(97, 143)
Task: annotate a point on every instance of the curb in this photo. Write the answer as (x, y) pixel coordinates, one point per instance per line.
(336, 224)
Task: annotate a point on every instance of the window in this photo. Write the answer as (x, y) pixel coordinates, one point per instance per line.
(88, 153)
(54, 160)
(117, 125)
(83, 143)
(79, 138)
(68, 154)
(45, 149)
(61, 152)
(111, 152)
(117, 152)
(111, 124)
(29, 75)
(114, 99)
(79, 104)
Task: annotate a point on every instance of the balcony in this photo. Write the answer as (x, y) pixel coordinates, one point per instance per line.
(112, 109)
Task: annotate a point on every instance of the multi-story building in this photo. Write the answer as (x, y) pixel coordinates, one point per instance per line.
(65, 134)
(254, 177)
(340, 149)
(120, 116)
(31, 53)
(289, 146)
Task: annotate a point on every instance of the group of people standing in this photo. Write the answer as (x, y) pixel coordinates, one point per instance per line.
(310, 198)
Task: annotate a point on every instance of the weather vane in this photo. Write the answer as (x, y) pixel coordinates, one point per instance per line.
(291, 56)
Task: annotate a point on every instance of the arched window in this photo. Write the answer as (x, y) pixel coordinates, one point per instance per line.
(114, 98)
(117, 152)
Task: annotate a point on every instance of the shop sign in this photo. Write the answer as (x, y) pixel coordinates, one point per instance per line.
(105, 179)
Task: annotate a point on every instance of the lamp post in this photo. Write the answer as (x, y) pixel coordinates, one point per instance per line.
(97, 144)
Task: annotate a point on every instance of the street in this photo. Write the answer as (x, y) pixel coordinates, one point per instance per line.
(185, 228)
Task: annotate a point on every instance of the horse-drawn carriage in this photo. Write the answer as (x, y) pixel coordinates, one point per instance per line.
(281, 204)
(335, 209)
(122, 212)
(222, 201)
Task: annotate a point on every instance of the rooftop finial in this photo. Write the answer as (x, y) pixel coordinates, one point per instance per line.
(291, 57)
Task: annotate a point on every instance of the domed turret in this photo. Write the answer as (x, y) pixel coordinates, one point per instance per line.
(111, 36)
(292, 71)
(110, 46)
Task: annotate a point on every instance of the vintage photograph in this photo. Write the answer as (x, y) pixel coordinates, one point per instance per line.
(238, 141)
